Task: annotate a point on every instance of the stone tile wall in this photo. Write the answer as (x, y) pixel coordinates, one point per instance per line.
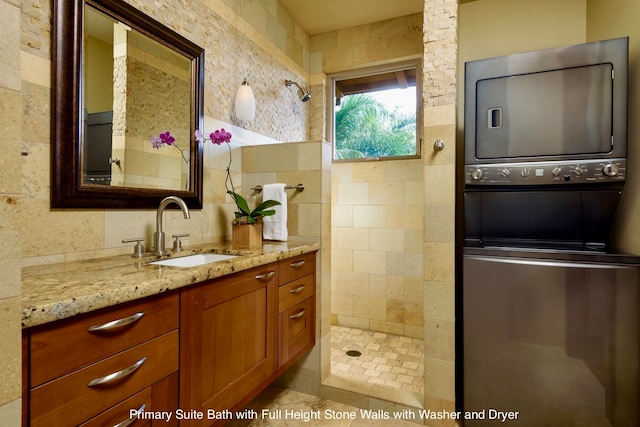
(377, 212)
(11, 95)
(439, 96)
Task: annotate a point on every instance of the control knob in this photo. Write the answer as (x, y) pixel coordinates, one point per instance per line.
(578, 170)
(610, 169)
(477, 174)
(525, 172)
(505, 173)
(556, 171)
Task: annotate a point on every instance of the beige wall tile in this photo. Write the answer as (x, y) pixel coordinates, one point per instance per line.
(440, 336)
(387, 193)
(11, 127)
(309, 224)
(353, 194)
(353, 238)
(439, 261)
(10, 351)
(369, 171)
(405, 217)
(342, 260)
(353, 283)
(10, 46)
(342, 216)
(439, 183)
(369, 262)
(438, 224)
(387, 327)
(10, 414)
(439, 375)
(369, 216)
(46, 232)
(404, 264)
(10, 249)
(342, 303)
(388, 240)
(439, 300)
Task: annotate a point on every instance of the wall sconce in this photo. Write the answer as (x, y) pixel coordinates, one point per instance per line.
(245, 102)
(303, 91)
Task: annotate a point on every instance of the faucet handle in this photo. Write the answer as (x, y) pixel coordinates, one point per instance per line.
(177, 244)
(138, 249)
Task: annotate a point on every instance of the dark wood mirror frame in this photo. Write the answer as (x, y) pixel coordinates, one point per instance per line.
(67, 189)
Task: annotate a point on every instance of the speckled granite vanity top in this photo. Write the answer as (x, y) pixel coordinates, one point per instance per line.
(57, 291)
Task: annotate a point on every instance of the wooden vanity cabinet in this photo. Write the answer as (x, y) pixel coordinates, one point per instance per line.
(296, 308)
(227, 339)
(240, 332)
(93, 369)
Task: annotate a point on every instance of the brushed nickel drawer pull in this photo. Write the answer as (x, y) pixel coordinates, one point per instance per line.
(266, 276)
(117, 375)
(115, 324)
(297, 264)
(297, 315)
(131, 420)
(297, 290)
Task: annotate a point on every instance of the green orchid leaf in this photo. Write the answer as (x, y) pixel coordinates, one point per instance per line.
(241, 203)
(266, 204)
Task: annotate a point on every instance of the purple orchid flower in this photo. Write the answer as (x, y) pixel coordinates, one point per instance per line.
(166, 138)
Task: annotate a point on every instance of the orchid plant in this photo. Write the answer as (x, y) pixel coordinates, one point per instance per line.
(165, 138)
(244, 214)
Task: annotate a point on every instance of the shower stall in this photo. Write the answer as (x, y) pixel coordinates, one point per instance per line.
(377, 274)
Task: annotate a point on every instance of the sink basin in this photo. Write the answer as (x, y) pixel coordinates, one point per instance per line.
(193, 260)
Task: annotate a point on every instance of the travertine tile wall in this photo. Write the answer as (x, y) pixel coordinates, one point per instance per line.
(11, 95)
(377, 207)
(377, 264)
(439, 96)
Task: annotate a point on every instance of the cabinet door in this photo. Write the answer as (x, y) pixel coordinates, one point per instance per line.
(227, 339)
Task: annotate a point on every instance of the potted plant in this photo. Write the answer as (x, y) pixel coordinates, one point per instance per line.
(247, 225)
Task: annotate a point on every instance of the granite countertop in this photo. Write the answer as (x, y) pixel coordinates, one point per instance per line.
(58, 291)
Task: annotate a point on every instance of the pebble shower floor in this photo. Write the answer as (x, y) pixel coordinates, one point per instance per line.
(388, 360)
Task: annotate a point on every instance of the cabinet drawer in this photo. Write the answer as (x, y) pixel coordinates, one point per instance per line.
(70, 399)
(295, 292)
(161, 397)
(123, 326)
(296, 267)
(297, 330)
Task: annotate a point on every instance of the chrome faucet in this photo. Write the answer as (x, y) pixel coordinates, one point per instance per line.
(158, 236)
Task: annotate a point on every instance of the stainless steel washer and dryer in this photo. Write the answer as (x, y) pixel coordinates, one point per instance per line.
(550, 312)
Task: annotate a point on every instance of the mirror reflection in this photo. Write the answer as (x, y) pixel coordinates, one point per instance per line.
(134, 89)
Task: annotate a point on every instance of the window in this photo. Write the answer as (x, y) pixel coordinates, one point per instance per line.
(374, 113)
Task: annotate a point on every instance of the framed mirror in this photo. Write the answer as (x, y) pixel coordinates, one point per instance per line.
(119, 79)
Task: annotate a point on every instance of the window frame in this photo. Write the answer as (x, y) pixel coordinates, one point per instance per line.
(369, 71)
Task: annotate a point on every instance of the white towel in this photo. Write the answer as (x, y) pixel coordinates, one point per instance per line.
(275, 226)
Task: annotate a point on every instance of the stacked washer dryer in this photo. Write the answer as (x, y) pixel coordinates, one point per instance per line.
(549, 310)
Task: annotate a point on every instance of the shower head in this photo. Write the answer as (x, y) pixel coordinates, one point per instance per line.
(303, 91)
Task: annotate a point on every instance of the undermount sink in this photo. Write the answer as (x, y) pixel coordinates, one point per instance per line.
(193, 260)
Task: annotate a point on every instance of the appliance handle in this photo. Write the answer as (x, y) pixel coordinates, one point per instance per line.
(494, 118)
(550, 263)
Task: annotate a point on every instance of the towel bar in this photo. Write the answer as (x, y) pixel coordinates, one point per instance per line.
(299, 187)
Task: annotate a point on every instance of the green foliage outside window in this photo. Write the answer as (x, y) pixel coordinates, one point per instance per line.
(365, 128)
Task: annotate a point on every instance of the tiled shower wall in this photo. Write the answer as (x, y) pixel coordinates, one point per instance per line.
(377, 207)
(377, 263)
